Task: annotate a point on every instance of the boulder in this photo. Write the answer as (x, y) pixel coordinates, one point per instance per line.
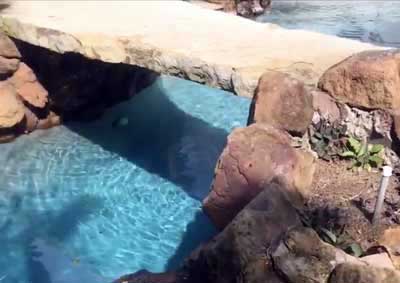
(50, 121)
(302, 257)
(239, 252)
(396, 123)
(8, 66)
(11, 108)
(391, 241)
(378, 260)
(282, 102)
(28, 87)
(8, 48)
(253, 156)
(144, 276)
(369, 79)
(354, 273)
(325, 107)
(251, 8)
(31, 121)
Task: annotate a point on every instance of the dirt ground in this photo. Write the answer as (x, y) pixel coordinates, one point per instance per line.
(343, 201)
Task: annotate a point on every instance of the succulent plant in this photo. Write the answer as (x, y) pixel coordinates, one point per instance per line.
(364, 155)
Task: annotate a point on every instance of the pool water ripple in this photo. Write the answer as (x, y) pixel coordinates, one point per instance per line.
(90, 202)
(377, 22)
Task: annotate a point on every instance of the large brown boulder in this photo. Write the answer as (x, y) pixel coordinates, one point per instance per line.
(239, 252)
(354, 273)
(11, 108)
(28, 87)
(253, 156)
(282, 102)
(370, 79)
(302, 257)
(391, 241)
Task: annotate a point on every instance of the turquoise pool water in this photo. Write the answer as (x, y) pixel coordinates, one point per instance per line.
(91, 202)
(369, 21)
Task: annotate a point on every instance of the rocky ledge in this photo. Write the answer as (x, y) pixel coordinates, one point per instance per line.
(40, 89)
(178, 38)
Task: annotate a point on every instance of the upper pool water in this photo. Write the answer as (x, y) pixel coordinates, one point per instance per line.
(91, 202)
(377, 22)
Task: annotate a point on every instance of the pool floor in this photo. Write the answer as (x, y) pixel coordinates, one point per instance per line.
(91, 202)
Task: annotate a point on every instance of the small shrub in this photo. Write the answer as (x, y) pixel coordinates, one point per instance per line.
(365, 156)
(327, 139)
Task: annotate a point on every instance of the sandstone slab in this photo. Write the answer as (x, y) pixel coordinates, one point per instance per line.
(255, 155)
(369, 79)
(11, 108)
(177, 38)
(28, 87)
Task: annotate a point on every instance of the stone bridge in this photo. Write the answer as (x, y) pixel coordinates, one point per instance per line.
(177, 38)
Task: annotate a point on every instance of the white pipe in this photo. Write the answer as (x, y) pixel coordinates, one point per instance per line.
(386, 173)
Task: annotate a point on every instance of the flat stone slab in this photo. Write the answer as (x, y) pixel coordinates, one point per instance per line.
(177, 38)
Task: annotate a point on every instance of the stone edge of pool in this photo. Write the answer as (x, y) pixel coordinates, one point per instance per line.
(273, 47)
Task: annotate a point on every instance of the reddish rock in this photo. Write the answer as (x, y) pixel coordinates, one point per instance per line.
(11, 108)
(31, 121)
(396, 121)
(238, 253)
(391, 241)
(8, 66)
(325, 106)
(370, 79)
(282, 102)
(8, 48)
(28, 87)
(5, 138)
(254, 156)
(51, 120)
(379, 260)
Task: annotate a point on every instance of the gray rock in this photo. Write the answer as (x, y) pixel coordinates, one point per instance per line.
(302, 257)
(348, 272)
(239, 252)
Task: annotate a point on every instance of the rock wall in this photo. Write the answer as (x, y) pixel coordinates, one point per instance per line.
(24, 101)
(41, 89)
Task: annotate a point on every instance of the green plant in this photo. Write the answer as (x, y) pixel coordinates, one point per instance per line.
(327, 139)
(364, 155)
(340, 241)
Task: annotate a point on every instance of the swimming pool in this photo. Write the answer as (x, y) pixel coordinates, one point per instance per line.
(369, 21)
(91, 202)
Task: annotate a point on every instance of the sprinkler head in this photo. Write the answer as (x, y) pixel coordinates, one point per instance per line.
(387, 171)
